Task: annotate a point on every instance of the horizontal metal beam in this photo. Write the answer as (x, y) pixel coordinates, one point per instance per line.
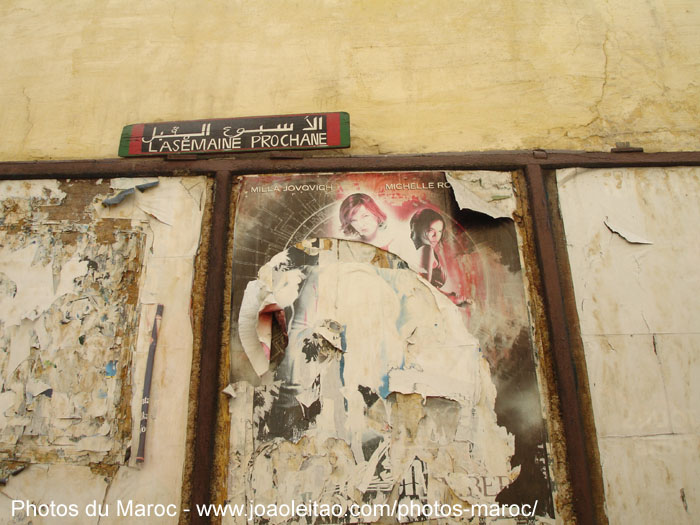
(298, 163)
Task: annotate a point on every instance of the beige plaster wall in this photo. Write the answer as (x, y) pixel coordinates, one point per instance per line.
(419, 76)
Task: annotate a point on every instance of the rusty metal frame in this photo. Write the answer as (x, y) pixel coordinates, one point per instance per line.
(210, 351)
(578, 423)
(551, 254)
(298, 163)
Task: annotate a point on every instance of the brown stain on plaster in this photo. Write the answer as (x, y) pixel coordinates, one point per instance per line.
(407, 411)
(130, 281)
(593, 248)
(107, 471)
(76, 206)
(618, 179)
(106, 228)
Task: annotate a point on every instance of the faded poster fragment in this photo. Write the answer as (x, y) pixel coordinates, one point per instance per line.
(488, 192)
(67, 312)
(381, 348)
(79, 287)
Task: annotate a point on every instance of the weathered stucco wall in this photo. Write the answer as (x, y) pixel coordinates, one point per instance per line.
(424, 76)
(632, 238)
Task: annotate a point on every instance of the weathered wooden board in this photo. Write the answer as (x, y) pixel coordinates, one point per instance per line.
(281, 132)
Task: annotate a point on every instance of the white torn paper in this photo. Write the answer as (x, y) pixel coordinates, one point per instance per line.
(230, 391)
(35, 388)
(19, 346)
(272, 292)
(47, 189)
(254, 333)
(625, 233)
(488, 192)
(71, 270)
(380, 376)
(7, 400)
(33, 282)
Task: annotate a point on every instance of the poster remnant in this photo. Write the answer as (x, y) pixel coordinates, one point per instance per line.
(381, 349)
(67, 315)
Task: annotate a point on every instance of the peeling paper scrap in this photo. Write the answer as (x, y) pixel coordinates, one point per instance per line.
(95, 444)
(44, 189)
(230, 391)
(249, 329)
(434, 385)
(71, 270)
(36, 388)
(10, 470)
(166, 203)
(34, 285)
(332, 332)
(625, 234)
(19, 346)
(7, 400)
(488, 192)
(147, 186)
(116, 199)
(158, 210)
(262, 299)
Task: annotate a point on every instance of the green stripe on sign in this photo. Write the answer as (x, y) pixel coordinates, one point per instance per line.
(125, 141)
(344, 129)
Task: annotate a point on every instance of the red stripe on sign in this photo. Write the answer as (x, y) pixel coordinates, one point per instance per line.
(135, 139)
(333, 129)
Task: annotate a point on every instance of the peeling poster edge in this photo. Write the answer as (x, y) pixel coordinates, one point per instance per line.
(630, 237)
(487, 192)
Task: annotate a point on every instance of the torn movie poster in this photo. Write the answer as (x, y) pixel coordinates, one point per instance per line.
(381, 346)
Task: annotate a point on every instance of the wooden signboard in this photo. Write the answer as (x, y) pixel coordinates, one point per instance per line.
(281, 132)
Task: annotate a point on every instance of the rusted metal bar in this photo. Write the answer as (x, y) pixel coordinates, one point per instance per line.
(559, 335)
(254, 163)
(208, 391)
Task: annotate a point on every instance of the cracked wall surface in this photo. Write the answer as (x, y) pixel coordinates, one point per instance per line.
(79, 287)
(632, 243)
(513, 75)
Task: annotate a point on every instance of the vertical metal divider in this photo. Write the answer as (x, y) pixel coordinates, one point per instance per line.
(210, 356)
(571, 378)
